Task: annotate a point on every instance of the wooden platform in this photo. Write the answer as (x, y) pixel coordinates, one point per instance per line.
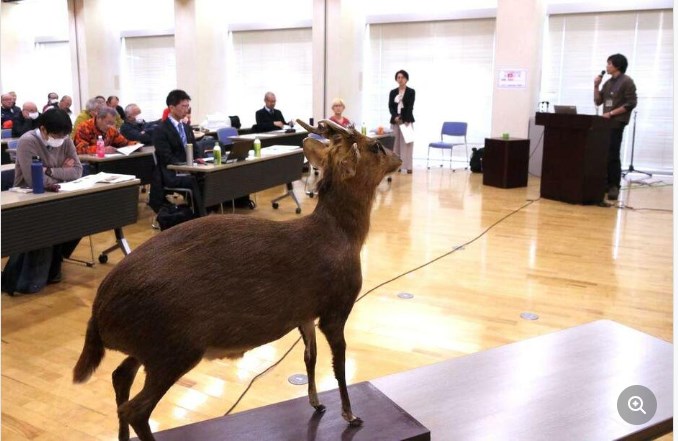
(295, 420)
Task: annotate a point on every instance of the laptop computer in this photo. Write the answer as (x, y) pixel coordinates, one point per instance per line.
(565, 109)
(239, 152)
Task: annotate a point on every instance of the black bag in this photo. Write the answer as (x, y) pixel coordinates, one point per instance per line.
(235, 121)
(171, 215)
(476, 162)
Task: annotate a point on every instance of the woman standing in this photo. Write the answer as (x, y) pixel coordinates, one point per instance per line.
(400, 105)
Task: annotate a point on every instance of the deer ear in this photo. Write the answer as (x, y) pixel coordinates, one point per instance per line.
(349, 163)
(315, 151)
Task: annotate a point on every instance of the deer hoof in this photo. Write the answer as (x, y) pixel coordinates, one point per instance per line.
(355, 422)
(320, 408)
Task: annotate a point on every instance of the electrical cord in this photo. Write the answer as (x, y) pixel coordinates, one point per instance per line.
(452, 251)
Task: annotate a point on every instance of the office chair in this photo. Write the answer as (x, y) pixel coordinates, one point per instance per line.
(224, 135)
(6, 133)
(450, 129)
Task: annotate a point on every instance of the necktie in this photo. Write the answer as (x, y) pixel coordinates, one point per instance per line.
(182, 133)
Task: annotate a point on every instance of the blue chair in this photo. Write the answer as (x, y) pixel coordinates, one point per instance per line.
(6, 133)
(11, 149)
(450, 129)
(224, 135)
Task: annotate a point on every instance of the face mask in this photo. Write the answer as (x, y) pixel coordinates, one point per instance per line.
(33, 115)
(139, 119)
(54, 100)
(55, 142)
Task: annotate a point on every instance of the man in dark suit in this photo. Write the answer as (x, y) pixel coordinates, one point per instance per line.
(170, 139)
(269, 118)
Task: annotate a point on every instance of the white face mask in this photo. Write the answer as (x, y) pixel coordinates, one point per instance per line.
(55, 142)
(54, 100)
(33, 115)
(139, 119)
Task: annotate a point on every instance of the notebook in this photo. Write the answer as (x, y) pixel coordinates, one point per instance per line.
(565, 109)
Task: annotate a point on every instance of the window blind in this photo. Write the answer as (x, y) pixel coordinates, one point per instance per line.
(148, 73)
(270, 60)
(450, 66)
(576, 49)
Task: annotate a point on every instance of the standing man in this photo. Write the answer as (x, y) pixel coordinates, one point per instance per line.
(269, 118)
(618, 97)
(170, 139)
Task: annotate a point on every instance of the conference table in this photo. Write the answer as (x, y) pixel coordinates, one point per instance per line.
(278, 164)
(33, 221)
(560, 386)
(139, 163)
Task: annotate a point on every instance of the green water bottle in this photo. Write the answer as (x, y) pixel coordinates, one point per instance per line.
(257, 148)
(217, 155)
(363, 129)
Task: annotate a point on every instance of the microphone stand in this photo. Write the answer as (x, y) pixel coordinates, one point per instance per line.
(631, 168)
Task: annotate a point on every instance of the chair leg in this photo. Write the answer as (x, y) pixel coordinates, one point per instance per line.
(427, 156)
(85, 262)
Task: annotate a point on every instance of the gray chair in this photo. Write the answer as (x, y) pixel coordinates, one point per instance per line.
(450, 130)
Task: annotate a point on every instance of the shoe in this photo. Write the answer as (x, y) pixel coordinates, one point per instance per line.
(613, 193)
(155, 225)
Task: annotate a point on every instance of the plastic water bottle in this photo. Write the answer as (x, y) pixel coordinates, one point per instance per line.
(36, 175)
(217, 155)
(189, 154)
(363, 129)
(257, 148)
(101, 148)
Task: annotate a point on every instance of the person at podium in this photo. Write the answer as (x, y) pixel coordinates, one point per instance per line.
(618, 97)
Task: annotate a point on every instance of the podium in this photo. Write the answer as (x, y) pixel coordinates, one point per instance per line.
(574, 164)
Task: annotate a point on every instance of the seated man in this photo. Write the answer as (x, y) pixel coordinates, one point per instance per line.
(52, 101)
(170, 139)
(9, 109)
(103, 124)
(29, 272)
(65, 104)
(134, 128)
(26, 120)
(269, 118)
(114, 103)
(88, 112)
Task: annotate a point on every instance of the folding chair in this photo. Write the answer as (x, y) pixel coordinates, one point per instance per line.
(450, 129)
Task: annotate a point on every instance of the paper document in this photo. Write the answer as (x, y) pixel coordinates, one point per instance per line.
(90, 180)
(130, 148)
(408, 132)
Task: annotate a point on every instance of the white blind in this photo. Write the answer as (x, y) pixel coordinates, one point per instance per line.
(450, 67)
(48, 56)
(148, 73)
(577, 48)
(271, 60)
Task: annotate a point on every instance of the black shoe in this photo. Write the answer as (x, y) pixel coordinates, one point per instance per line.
(55, 279)
(613, 193)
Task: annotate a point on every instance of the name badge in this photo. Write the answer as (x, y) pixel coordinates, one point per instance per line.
(608, 102)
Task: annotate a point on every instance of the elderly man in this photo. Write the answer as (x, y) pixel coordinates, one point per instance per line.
(9, 110)
(65, 104)
(103, 124)
(52, 101)
(91, 108)
(134, 127)
(26, 120)
(269, 118)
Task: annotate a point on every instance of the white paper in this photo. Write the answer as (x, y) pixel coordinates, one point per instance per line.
(90, 180)
(130, 148)
(408, 132)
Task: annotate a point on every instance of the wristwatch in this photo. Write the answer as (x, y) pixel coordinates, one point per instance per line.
(48, 171)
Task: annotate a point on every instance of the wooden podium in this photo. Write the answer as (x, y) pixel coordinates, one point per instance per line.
(574, 165)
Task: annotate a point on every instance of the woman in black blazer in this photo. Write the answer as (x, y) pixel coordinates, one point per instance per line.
(400, 104)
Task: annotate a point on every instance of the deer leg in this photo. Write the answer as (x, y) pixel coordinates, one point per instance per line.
(310, 354)
(159, 378)
(334, 332)
(123, 377)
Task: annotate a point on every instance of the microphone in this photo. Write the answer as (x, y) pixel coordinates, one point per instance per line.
(602, 72)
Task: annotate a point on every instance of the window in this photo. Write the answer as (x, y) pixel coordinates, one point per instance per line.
(271, 60)
(450, 66)
(576, 49)
(148, 73)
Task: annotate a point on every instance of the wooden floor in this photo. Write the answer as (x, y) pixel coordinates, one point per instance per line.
(474, 257)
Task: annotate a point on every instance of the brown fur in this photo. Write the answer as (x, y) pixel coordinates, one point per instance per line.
(222, 285)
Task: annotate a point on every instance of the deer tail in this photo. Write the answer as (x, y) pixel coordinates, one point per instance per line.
(92, 353)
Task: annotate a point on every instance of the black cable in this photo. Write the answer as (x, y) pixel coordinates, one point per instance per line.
(455, 249)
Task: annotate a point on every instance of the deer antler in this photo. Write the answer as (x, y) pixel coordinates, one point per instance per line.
(323, 127)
